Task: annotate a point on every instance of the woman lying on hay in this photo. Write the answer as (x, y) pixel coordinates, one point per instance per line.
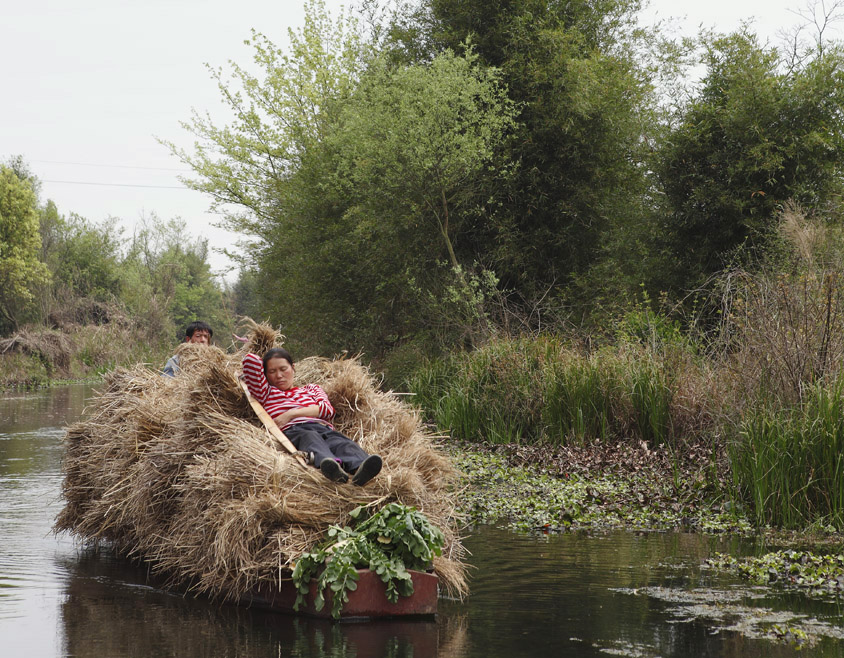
(303, 413)
(181, 473)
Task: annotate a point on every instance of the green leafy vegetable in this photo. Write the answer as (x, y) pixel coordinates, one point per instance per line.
(392, 541)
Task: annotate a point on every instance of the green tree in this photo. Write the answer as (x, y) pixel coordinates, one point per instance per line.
(411, 153)
(84, 258)
(20, 270)
(245, 295)
(277, 119)
(251, 168)
(757, 134)
(168, 281)
(418, 138)
(359, 178)
(576, 72)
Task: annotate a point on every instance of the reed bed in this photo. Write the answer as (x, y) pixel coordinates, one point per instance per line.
(789, 462)
(542, 389)
(179, 472)
(52, 348)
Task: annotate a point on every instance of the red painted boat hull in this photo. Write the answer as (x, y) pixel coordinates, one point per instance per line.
(368, 601)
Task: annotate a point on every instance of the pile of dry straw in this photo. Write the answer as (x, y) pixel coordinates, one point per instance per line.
(180, 472)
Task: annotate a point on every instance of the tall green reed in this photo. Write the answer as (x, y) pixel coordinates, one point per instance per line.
(578, 400)
(539, 389)
(651, 395)
(489, 394)
(788, 462)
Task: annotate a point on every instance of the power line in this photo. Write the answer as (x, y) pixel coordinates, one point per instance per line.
(112, 166)
(76, 182)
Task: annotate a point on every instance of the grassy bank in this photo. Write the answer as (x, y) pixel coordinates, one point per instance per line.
(37, 356)
(545, 389)
(754, 371)
(789, 462)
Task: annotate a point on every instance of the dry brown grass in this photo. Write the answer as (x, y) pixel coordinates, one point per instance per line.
(53, 348)
(179, 472)
(784, 327)
(75, 312)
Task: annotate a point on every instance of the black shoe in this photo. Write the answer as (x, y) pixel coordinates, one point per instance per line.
(331, 469)
(369, 469)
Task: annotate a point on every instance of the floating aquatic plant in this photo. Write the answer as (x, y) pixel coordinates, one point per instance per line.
(530, 497)
(809, 572)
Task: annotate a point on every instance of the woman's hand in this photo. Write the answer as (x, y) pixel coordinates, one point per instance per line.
(311, 411)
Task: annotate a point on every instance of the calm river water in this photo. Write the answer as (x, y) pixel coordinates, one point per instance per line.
(618, 594)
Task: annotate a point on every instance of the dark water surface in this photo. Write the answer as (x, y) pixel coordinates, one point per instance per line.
(619, 594)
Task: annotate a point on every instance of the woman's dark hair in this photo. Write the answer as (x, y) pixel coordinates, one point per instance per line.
(275, 353)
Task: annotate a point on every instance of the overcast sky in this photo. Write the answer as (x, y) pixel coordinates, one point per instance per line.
(88, 85)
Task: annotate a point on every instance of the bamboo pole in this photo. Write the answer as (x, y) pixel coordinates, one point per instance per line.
(272, 428)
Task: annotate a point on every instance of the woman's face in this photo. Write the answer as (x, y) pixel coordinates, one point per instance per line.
(280, 373)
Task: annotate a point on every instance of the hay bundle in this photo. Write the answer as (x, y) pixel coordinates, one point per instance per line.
(179, 472)
(52, 347)
(86, 312)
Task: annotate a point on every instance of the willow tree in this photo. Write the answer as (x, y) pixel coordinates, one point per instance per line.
(415, 148)
(354, 176)
(276, 120)
(422, 137)
(253, 168)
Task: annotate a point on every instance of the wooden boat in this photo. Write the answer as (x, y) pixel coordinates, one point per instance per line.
(368, 601)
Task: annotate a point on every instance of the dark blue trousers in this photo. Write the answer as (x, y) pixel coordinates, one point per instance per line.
(326, 443)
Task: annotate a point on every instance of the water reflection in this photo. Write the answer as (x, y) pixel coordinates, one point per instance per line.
(111, 610)
(573, 595)
(32, 425)
(30, 411)
(563, 595)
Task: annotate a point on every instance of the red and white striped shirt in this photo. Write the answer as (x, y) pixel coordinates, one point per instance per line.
(276, 401)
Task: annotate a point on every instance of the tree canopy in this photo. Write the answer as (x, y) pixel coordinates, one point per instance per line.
(393, 176)
(756, 135)
(362, 178)
(21, 272)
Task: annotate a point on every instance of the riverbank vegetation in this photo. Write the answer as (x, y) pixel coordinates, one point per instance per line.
(78, 298)
(762, 389)
(552, 223)
(813, 574)
(595, 488)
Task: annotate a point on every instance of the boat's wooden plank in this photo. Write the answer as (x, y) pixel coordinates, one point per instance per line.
(368, 601)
